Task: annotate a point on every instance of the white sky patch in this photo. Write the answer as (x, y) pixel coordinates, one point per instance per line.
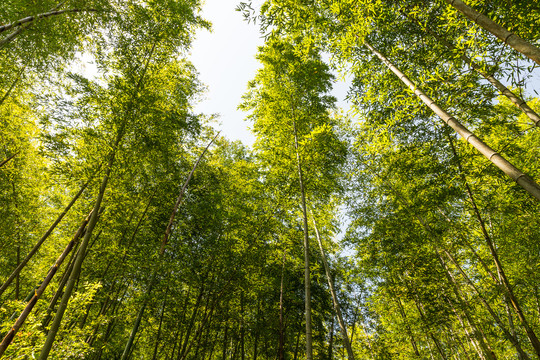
(225, 59)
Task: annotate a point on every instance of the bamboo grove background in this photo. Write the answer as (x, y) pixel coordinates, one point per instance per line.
(404, 228)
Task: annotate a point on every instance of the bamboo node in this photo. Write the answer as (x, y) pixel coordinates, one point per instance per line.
(507, 37)
(492, 155)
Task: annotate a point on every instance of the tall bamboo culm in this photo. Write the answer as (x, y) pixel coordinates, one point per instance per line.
(514, 173)
(508, 37)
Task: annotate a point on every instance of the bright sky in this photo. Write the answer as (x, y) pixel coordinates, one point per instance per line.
(225, 59)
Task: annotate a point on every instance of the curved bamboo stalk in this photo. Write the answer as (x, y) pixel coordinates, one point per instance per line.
(307, 276)
(36, 247)
(181, 196)
(514, 173)
(337, 307)
(39, 291)
(508, 37)
(33, 18)
(515, 99)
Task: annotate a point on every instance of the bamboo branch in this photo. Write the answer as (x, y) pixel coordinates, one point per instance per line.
(5, 162)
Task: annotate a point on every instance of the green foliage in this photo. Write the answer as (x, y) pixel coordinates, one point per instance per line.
(427, 217)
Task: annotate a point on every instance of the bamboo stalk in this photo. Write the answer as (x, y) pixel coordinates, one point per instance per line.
(514, 173)
(36, 247)
(39, 291)
(337, 307)
(42, 16)
(515, 99)
(508, 37)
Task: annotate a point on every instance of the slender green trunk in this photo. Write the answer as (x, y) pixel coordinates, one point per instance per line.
(513, 339)
(513, 40)
(455, 338)
(507, 303)
(242, 327)
(478, 335)
(430, 333)
(127, 348)
(39, 291)
(257, 331)
(337, 308)
(471, 338)
(18, 278)
(93, 221)
(225, 343)
(158, 335)
(331, 342)
(181, 196)
(502, 275)
(185, 339)
(486, 350)
(281, 348)
(111, 291)
(205, 321)
(296, 348)
(60, 290)
(537, 298)
(4, 162)
(407, 326)
(307, 277)
(80, 256)
(368, 340)
(514, 173)
(175, 343)
(466, 242)
(8, 92)
(463, 304)
(40, 242)
(74, 276)
(430, 349)
(162, 252)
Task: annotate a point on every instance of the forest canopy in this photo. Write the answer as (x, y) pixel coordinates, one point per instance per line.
(405, 227)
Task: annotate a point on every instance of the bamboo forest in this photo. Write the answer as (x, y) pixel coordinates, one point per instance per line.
(400, 223)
